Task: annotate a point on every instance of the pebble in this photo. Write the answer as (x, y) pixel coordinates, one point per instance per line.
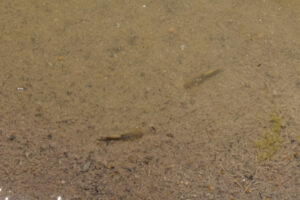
(182, 47)
(86, 166)
(12, 137)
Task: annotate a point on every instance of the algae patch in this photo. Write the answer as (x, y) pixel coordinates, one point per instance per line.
(271, 140)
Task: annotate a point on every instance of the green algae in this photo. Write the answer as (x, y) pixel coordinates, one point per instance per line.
(271, 140)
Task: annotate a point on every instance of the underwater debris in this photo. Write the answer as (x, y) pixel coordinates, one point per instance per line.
(200, 78)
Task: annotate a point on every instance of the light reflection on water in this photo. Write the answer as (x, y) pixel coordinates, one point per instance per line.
(7, 198)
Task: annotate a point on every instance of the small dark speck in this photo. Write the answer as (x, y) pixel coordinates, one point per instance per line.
(153, 129)
(85, 188)
(250, 177)
(66, 154)
(38, 115)
(292, 141)
(12, 138)
(49, 136)
(170, 135)
(42, 149)
(298, 84)
(68, 92)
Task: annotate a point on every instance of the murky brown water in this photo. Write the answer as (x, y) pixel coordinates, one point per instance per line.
(72, 72)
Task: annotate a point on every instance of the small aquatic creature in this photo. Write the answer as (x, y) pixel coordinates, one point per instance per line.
(200, 78)
(132, 135)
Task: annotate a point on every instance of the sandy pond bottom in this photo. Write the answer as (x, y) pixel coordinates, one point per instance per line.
(77, 77)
